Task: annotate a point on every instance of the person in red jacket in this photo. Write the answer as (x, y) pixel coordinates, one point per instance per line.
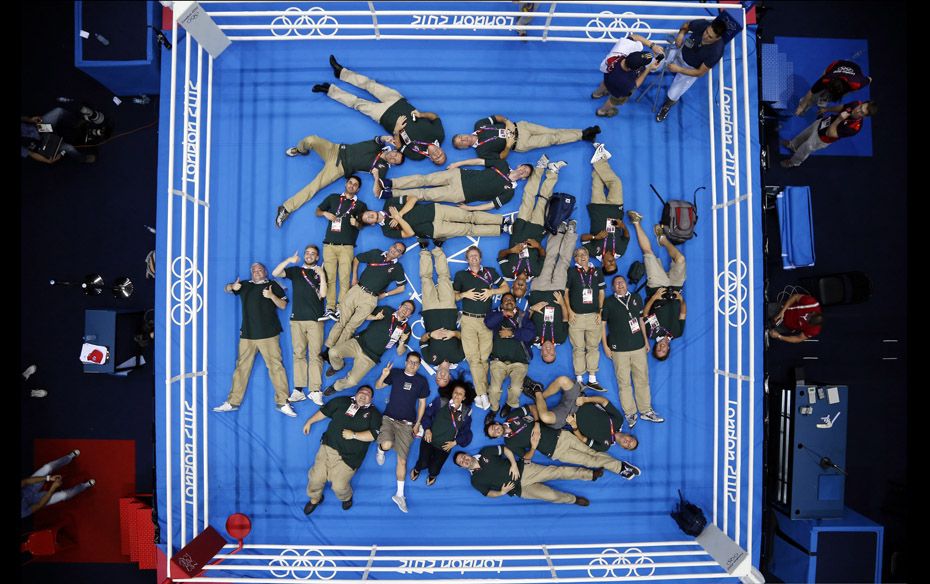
(801, 318)
(839, 78)
(833, 123)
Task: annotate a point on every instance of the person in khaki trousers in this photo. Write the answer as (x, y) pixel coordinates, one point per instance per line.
(475, 287)
(309, 290)
(585, 292)
(625, 343)
(354, 425)
(513, 330)
(342, 213)
(260, 333)
(495, 136)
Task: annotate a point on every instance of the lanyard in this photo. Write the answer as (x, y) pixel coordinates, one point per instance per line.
(515, 432)
(374, 162)
(413, 146)
(455, 427)
(613, 244)
(485, 129)
(349, 210)
(480, 274)
(611, 439)
(581, 274)
(503, 176)
(303, 272)
(379, 264)
(551, 330)
(626, 304)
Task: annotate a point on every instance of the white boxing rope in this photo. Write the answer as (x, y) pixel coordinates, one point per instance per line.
(729, 148)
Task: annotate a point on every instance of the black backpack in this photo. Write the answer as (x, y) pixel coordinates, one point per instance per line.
(635, 274)
(559, 208)
(678, 217)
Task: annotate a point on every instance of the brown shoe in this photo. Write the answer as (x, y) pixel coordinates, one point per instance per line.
(634, 216)
(597, 473)
(430, 481)
(659, 231)
(582, 501)
(414, 474)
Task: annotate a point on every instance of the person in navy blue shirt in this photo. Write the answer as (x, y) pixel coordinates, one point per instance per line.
(698, 49)
(402, 416)
(625, 68)
(447, 423)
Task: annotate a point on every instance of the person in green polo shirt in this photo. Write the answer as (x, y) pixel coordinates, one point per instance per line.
(339, 160)
(625, 343)
(309, 286)
(260, 332)
(585, 292)
(386, 330)
(475, 287)
(597, 423)
(551, 321)
(354, 425)
(416, 134)
(609, 237)
(342, 212)
(495, 136)
(361, 299)
(405, 217)
(665, 310)
(513, 331)
(495, 473)
(492, 188)
(524, 436)
(441, 344)
(524, 258)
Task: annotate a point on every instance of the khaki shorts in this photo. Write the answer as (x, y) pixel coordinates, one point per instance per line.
(397, 432)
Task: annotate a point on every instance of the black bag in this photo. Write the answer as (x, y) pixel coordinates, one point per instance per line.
(678, 217)
(559, 208)
(635, 274)
(689, 517)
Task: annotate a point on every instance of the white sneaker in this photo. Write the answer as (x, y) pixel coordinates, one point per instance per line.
(287, 410)
(600, 153)
(556, 166)
(316, 397)
(29, 371)
(543, 161)
(401, 502)
(38, 393)
(75, 453)
(379, 456)
(91, 482)
(296, 396)
(482, 402)
(225, 407)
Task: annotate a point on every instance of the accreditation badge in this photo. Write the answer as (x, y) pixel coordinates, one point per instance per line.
(549, 314)
(351, 410)
(634, 325)
(336, 225)
(587, 296)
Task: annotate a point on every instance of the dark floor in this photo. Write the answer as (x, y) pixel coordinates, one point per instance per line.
(77, 219)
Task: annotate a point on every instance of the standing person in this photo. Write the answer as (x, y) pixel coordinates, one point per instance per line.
(665, 311)
(801, 318)
(260, 332)
(626, 345)
(339, 160)
(495, 136)
(417, 135)
(447, 423)
(361, 299)
(609, 237)
(491, 187)
(33, 498)
(513, 331)
(405, 217)
(697, 49)
(495, 473)
(839, 78)
(625, 68)
(834, 123)
(402, 416)
(354, 425)
(441, 343)
(342, 213)
(523, 259)
(309, 286)
(475, 287)
(366, 348)
(585, 292)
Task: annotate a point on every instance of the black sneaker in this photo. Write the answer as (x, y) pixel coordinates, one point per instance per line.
(346, 505)
(531, 390)
(329, 391)
(588, 134)
(328, 315)
(663, 113)
(628, 471)
(281, 216)
(310, 507)
(505, 411)
(438, 242)
(330, 371)
(595, 386)
(424, 242)
(582, 501)
(597, 473)
(337, 68)
(325, 354)
(320, 88)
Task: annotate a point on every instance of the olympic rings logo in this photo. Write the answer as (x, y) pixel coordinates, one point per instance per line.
(304, 566)
(595, 29)
(293, 17)
(187, 300)
(612, 560)
(728, 283)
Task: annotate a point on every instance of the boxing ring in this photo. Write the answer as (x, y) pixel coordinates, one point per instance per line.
(225, 124)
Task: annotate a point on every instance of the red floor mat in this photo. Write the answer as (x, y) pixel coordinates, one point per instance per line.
(92, 516)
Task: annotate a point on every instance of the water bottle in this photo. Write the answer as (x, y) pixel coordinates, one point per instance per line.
(103, 40)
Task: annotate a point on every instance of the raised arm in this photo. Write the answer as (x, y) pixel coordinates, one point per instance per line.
(278, 271)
